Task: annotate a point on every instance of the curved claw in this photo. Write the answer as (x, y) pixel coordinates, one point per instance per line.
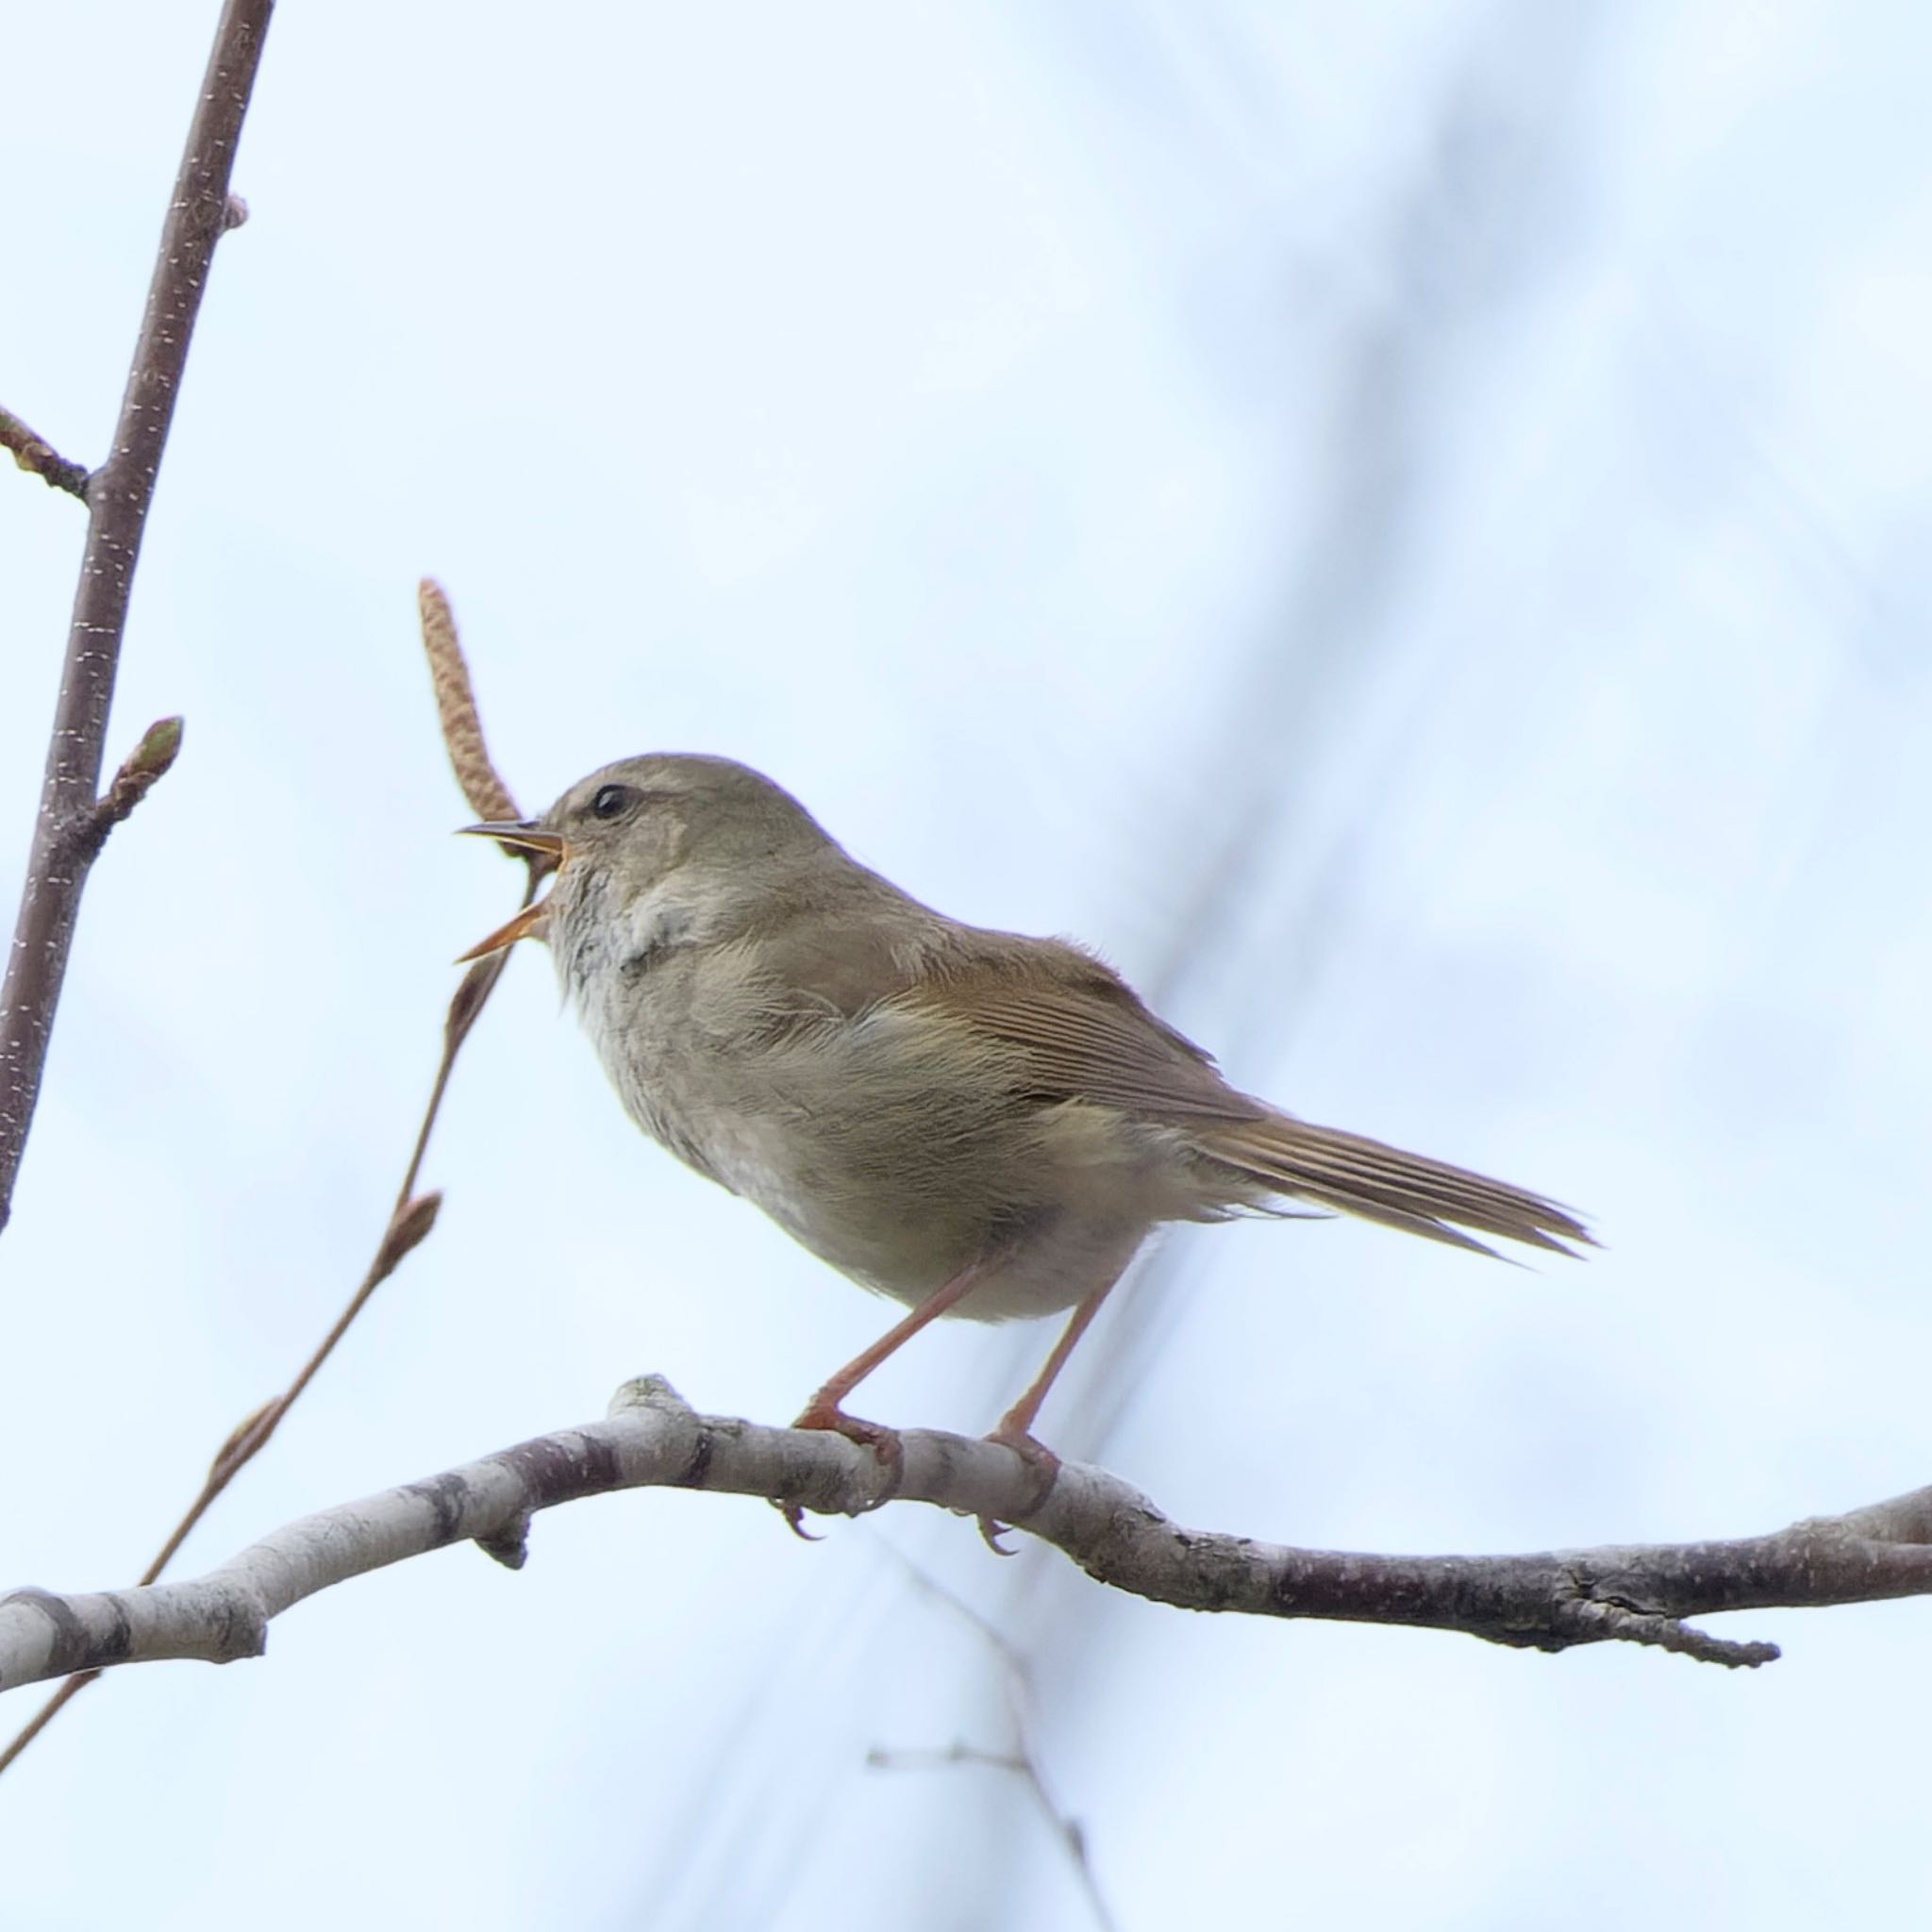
(793, 1514)
(991, 1531)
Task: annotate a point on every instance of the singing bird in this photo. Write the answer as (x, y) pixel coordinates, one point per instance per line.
(972, 1122)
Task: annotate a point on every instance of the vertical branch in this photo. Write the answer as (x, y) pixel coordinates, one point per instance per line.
(69, 827)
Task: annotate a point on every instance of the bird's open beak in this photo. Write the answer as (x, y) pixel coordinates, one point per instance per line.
(549, 852)
(520, 835)
(520, 927)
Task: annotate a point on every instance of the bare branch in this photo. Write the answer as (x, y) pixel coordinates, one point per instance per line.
(1548, 1601)
(413, 1216)
(118, 494)
(69, 1689)
(1024, 1760)
(38, 457)
(408, 1225)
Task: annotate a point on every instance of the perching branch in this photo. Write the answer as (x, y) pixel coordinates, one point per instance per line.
(1550, 1601)
(69, 827)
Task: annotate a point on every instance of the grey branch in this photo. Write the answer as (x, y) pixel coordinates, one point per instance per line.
(651, 1438)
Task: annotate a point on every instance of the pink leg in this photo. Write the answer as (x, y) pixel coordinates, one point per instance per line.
(824, 1410)
(1016, 1425)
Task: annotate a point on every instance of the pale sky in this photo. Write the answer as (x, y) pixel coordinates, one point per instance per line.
(1405, 527)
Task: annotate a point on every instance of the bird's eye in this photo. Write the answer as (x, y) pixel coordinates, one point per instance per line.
(610, 801)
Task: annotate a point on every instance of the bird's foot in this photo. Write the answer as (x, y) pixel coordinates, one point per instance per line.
(882, 1441)
(1014, 1434)
(885, 1444)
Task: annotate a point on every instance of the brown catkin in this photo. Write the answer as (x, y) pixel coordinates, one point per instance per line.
(456, 706)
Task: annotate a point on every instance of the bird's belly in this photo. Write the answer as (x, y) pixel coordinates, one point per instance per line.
(870, 1150)
(893, 1238)
(905, 1242)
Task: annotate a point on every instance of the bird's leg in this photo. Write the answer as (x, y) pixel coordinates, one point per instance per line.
(1015, 1429)
(824, 1410)
(1016, 1426)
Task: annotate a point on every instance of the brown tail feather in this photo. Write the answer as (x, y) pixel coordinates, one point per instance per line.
(1363, 1177)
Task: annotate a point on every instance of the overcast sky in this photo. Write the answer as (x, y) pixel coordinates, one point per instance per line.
(1404, 526)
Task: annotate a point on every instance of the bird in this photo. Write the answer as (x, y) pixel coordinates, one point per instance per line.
(969, 1122)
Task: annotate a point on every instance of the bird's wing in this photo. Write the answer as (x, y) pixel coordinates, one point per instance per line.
(1084, 1032)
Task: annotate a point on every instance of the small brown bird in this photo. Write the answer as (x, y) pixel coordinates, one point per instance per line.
(972, 1122)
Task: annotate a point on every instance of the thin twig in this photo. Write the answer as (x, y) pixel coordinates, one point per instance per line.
(38, 457)
(118, 494)
(407, 1229)
(64, 1694)
(880, 1758)
(413, 1215)
(251, 1436)
(1023, 1759)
